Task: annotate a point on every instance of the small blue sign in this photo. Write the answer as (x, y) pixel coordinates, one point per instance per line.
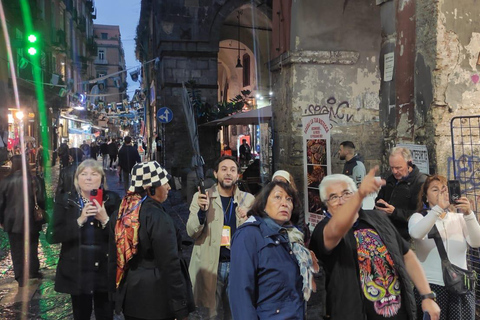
(164, 115)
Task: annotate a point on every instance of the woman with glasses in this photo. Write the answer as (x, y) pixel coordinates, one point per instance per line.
(458, 228)
(272, 271)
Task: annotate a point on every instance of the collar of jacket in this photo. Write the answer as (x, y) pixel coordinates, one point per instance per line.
(259, 222)
(215, 195)
(74, 198)
(412, 176)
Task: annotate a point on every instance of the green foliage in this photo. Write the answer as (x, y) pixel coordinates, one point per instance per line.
(206, 112)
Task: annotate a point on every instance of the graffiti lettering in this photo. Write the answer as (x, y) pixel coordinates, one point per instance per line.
(335, 112)
(467, 171)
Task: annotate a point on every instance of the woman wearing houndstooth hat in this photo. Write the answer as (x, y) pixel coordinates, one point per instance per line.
(148, 244)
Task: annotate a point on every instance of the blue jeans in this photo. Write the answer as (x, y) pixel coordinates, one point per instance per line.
(221, 295)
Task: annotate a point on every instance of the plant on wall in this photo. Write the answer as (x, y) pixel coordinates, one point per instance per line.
(206, 112)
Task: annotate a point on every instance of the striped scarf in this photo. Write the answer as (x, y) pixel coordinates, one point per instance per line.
(126, 232)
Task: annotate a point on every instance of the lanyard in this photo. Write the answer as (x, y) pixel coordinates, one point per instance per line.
(230, 204)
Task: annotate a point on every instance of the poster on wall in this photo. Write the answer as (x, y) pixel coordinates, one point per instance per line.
(317, 163)
(419, 156)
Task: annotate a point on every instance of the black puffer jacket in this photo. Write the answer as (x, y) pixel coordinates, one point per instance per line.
(82, 267)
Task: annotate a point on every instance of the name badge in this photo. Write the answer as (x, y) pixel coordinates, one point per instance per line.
(226, 236)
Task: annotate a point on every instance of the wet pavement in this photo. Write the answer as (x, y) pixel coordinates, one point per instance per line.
(39, 300)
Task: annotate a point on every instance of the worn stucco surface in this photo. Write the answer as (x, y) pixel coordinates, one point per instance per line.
(455, 77)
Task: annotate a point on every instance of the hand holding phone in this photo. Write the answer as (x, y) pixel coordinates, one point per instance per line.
(380, 205)
(202, 200)
(97, 194)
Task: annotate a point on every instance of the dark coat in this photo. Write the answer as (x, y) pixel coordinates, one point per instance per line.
(344, 291)
(403, 195)
(65, 179)
(83, 263)
(157, 285)
(11, 204)
(128, 156)
(112, 149)
(265, 280)
(104, 148)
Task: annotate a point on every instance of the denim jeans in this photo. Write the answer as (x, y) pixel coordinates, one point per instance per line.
(221, 295)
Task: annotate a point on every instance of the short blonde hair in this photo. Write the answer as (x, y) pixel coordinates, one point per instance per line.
(89, 163)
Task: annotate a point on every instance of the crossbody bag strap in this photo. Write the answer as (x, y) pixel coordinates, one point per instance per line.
(439, 242)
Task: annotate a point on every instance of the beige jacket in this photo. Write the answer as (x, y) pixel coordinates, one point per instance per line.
(206, 251)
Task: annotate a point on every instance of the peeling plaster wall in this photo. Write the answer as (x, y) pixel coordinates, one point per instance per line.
(455, 77)
(333, 69)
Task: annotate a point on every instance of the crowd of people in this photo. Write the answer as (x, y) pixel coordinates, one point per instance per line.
(252, 256)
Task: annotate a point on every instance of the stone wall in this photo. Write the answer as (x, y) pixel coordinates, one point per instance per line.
(448, 76)
(332, 68)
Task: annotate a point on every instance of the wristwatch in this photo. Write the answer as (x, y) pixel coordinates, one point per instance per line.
(430, 295)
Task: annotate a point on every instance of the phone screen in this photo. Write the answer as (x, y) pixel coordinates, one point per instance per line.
(454, 192)
(97, 194)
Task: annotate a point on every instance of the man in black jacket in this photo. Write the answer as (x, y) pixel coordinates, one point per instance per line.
(399, 197)
(128, 156)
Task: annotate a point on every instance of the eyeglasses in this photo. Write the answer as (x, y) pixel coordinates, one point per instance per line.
(335, 199)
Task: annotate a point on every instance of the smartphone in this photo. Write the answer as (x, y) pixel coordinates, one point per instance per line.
(97, 194)
(426, 316)
(202, 187)
(380, 205)
(454, 192)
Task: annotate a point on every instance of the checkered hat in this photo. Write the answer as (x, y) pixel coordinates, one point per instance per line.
(148, 174)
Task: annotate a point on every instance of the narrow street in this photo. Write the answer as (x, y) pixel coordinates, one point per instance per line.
(43, 302)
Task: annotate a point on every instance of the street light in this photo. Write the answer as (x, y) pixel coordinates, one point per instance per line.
(19, 115)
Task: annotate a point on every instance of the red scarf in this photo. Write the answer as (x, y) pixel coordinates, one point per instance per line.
(126, 232)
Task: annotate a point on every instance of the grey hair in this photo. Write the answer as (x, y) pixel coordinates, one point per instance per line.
(335, 178)
(404, 152)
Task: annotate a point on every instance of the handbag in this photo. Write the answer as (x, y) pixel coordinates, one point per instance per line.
(457, 280)
(39, 214)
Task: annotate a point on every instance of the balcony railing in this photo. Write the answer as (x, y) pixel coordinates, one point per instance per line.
(101, 61)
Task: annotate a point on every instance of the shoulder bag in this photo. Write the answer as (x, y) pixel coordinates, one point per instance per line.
(457, 280)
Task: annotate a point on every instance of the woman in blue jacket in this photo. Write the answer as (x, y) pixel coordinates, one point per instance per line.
(271, 270)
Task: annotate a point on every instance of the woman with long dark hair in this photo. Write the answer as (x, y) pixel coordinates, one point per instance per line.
(459, 229)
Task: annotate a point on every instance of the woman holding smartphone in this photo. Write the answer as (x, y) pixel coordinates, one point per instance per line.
(79, 223)
(458, 228)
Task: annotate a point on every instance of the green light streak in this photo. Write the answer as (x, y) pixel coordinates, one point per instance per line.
(42, 110)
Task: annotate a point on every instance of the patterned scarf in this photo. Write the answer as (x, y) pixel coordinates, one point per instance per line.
(126, 232)
(306, 259)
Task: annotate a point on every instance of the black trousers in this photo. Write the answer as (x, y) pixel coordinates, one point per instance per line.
(82, 306)
(126, 180)
(113, 158)
(18, 252)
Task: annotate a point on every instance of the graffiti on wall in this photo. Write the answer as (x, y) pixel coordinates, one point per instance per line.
(336, 111)
(467, 171)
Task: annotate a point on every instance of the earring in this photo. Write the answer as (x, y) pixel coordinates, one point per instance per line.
(426, 201)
